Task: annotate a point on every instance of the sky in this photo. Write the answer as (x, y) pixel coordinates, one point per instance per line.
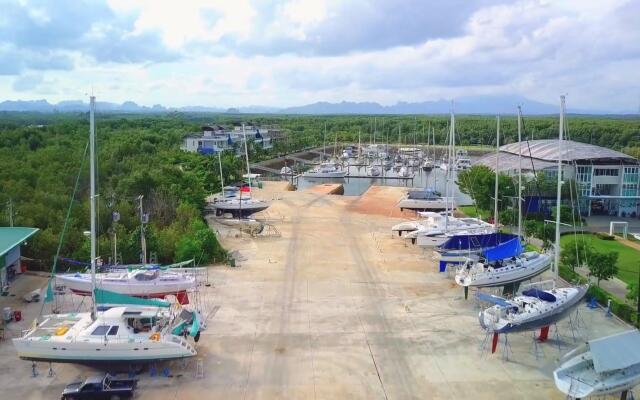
(224, 53)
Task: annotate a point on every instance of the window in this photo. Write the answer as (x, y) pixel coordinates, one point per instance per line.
(605, 172)
(631, 174)
(113, 331)
(630, 189)
(101, 330)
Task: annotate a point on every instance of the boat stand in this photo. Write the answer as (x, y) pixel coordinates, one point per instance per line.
(506, 348)
(34, 369)
(51, 372)
(557, 337)
(536, 349)
(576, 324)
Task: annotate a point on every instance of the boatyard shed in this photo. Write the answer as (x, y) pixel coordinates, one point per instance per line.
(11, 239)
(608, 181)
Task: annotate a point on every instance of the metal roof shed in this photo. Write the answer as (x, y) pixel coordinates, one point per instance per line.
(10, 240)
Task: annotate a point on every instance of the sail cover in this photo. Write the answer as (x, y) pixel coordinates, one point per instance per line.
(508, 249)
(108, 297)
(541, 294)
(476, 242)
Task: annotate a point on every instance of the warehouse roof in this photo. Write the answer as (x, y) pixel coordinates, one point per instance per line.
(547, 150)
(12, 237)
(541, 154)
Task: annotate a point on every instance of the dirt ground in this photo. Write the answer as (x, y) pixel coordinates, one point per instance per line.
(331, 306)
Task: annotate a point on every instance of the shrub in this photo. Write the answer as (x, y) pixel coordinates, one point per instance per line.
(605, 236)
(618, 306)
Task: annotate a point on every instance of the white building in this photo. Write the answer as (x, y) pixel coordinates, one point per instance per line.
(607, 180)
(215, 138)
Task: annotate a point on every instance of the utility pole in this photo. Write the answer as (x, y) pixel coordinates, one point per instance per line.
(143, 241)
(556, 266)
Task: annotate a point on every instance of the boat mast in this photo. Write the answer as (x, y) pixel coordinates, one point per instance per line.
(246, 155)
(519, 171)
(143, 240)
(495, 191)
(324, 141)
(359, 144)
(92, 179)
(220, 166)
(558, 194)
(448, 174)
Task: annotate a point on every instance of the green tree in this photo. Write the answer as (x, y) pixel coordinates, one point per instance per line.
(603, 265)
(575, 253)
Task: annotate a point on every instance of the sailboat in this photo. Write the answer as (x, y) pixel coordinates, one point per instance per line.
(535, 308)
(238, 201)
(327, 169)
(140, 332)
(601, 366)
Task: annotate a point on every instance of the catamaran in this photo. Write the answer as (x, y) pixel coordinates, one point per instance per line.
(140, 332)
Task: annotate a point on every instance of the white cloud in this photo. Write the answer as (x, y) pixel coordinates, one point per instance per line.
(223, 53)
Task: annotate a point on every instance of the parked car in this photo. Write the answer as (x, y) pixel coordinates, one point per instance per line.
(100, 387)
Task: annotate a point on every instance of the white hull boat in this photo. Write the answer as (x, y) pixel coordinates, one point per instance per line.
(138, 283)
(518, 268)
(604, 366)
(326, 170)
(531, 310)
(120, 334)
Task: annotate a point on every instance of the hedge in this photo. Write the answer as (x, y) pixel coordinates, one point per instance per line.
(618, 306)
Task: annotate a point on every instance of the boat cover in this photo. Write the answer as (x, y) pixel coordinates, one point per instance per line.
(423, 194)
(541, 294)
(616, 351)
(476, 242)
(508, 249)
(109, 297)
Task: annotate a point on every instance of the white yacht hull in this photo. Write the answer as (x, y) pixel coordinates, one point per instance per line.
(333, 174)
(504, 275)
(425, 204)
(81, 284)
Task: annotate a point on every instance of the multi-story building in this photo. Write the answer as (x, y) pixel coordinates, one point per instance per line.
(608, 181)
(215, 138)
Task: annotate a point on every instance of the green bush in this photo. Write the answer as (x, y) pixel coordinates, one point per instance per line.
(618, 307)
(605, 236)
(569, 275)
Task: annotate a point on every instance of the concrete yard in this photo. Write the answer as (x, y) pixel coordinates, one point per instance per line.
(332, 308)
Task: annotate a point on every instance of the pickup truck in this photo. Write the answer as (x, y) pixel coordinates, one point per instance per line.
(100, 387)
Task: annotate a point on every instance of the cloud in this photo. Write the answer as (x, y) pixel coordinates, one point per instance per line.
(27, 82)
(49, 35)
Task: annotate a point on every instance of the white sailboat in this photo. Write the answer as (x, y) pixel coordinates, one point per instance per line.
(138, 283)
(133, 333)
(238, 201)
(424, 200)
(601, 367)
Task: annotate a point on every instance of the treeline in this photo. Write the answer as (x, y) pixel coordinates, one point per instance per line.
(136, 156)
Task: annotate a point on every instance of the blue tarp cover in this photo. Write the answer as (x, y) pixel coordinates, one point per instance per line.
(541, 294)
(476, 242)
(504, 250)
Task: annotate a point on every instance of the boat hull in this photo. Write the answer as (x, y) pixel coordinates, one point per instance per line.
(504, 276)
(424, 205)
(79, 284)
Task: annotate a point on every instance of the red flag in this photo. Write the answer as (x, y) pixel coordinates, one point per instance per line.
(245, 189)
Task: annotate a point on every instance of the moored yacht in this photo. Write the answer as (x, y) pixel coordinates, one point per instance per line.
(327, 169)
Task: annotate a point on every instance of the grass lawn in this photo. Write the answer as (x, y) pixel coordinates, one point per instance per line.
(532, 247)
(628, 258)
(470, 211)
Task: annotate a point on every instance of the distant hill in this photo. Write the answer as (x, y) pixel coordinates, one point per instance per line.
(489, 105)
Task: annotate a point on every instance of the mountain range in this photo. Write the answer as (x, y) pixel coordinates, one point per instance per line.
(464, 105)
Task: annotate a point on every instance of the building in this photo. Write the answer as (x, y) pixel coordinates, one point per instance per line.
(215, 138)
(10, 241)
(607, 180)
